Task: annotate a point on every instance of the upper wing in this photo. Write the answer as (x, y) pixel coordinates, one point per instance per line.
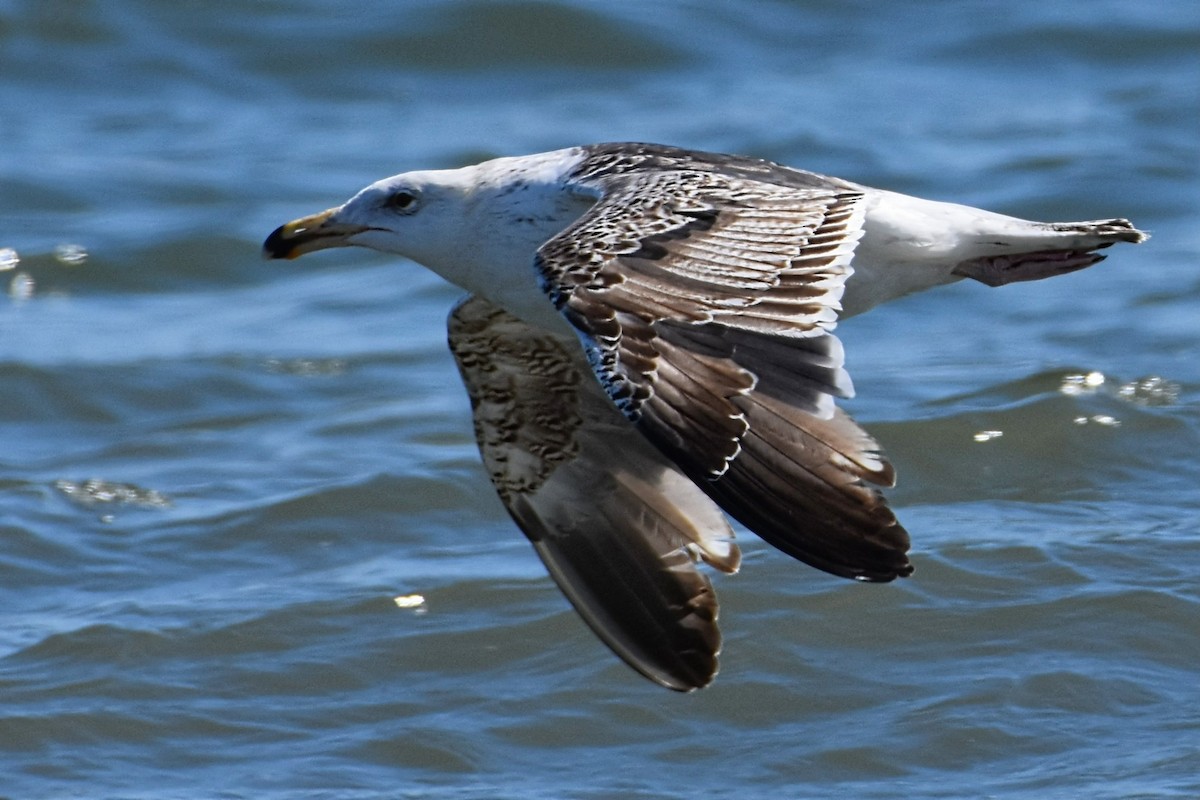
(617, 525)
(706, 303)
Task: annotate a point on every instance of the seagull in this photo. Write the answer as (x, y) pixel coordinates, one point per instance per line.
(648, 346)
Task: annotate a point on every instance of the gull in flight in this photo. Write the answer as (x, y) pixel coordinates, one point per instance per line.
(648, 347)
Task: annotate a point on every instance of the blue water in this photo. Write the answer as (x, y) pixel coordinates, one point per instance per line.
(217, 473)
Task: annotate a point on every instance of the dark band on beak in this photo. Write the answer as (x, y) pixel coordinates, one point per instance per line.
(304, 235)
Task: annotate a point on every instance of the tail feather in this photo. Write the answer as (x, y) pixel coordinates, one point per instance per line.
(1052, 248)
(1095, 234)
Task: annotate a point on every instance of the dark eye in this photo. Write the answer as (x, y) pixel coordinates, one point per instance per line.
(402, 201)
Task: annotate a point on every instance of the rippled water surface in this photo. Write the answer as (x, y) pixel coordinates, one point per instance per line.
(218, 474)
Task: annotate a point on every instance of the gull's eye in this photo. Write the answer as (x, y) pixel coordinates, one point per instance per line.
(401, 201)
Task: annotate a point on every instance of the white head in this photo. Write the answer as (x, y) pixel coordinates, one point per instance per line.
(413, 214)
(474, 226)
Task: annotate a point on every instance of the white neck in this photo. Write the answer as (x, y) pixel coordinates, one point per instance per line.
(513, 207)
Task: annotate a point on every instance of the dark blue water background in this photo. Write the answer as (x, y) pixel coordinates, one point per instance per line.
(217, 473)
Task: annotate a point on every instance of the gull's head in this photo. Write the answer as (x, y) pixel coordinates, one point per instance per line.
(478, 226)
(413, 214)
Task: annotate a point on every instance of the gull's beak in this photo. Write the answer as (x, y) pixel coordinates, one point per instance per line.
(304, 235)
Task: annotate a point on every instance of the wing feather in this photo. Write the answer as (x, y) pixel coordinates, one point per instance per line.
(617, 525)
(705, 301)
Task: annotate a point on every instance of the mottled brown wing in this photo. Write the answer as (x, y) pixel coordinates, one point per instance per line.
(617, 525)
(706, 304)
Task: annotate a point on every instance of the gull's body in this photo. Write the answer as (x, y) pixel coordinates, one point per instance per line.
(649, 341)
